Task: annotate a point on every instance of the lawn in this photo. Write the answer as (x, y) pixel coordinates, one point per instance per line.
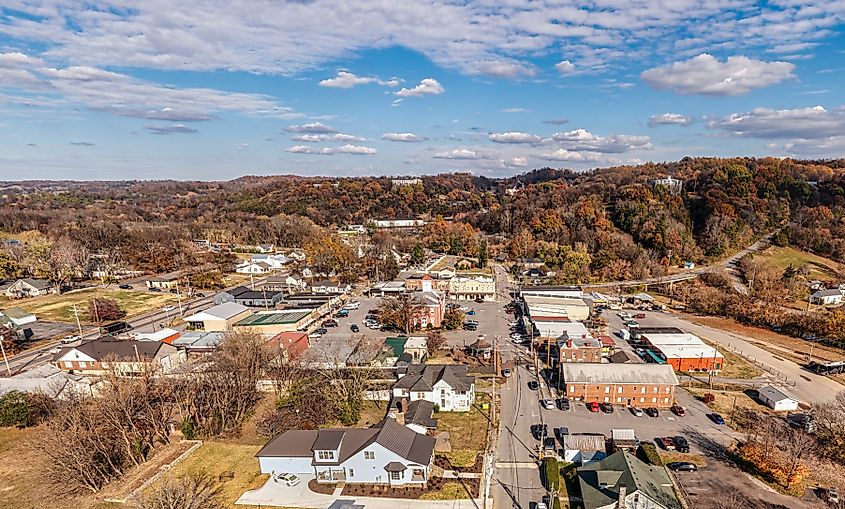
(735, 366)
(724, 402)
(59, 308)
(216, 458)
(467, 431)
(449, 491)
(819, 267)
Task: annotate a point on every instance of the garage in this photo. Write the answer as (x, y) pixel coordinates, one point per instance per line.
(289, 465)
(776, 399)
(288, 452)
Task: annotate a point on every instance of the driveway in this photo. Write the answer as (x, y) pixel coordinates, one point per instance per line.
(278, 495)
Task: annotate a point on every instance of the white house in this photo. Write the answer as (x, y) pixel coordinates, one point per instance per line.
(447, 386)
(831, 297)
(100, 356)
(273, 261)
(472, 288)
(17, 317)
(776, 399)
(253, 268)
(331, 287)
(218, 318)
(389, 454)
(29, 287)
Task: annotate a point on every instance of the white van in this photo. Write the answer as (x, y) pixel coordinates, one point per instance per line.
(352, 305)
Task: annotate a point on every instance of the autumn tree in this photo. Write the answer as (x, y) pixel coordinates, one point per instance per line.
(453, 319)
(101, 309)
(59, 262)
(400, 311)
(434, 342)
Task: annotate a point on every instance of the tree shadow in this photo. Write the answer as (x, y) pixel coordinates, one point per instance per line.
(710, 447)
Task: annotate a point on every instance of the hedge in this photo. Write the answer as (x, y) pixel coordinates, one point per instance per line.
(551, 473)
(648, 453)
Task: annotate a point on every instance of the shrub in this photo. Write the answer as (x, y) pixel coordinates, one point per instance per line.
(551, 473)
(22, 409)
(648, 453)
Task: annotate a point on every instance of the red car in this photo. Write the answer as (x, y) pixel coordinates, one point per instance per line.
(679, 410)
(640, 316)
(593, 406)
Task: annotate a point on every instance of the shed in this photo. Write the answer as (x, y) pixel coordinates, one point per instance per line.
(776, 399)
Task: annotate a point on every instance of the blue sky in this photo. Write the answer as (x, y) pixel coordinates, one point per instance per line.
(215, 90)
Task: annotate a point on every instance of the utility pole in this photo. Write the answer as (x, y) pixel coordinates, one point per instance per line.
(76, 315)
(5, 359)
(179, 298)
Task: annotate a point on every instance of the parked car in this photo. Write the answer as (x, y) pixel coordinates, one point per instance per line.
(666, 443)
(55, 350)
(70, 338)
(682, 466)
(538, 431)
(479, 300)
(471, 312)
(636, 411)
(174, 290)
(199, 295)
(561, 432)
(125, 287)
(506, 373)
(352, 305)
(287, 479)
(640, 316)
(831, 495)
(606, 408)
(593, 406)
(168, 308)
(549, 444)
(470, 328)
(540, 505)
(718, 419)
(342, 313)
(354, 328)
(652, 412)
(533, 385)
(322, 330)
(154, 289)
(681, 444)
(330, 323)
(563, 404)
(678, 410)
(547, 404)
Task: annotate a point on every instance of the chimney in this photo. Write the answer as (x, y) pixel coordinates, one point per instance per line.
(403, 405)
(623, 492)
(568, 343)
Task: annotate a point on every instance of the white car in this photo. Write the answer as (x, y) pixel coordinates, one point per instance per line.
(168, 308)
(70, 339)
(547, 404)
(288, 479)
(56, 350)
(352, 305)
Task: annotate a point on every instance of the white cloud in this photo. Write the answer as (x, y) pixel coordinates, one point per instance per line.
(311, 127)
(327, 151)
(458, 153)
(670, 119)
(17, 60)
(514, 110)
(428, 86)
(407, 137)
(562, 154)
(514, 137)
(706, 75)
(565, 67)
(320, 138)
(505, 69)
(346, 79)
(170, 129)
(580, 140)
(515, 162)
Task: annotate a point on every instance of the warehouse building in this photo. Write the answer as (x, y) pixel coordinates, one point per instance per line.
(647, 385)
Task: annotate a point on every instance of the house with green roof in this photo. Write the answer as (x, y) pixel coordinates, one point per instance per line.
(621, 477)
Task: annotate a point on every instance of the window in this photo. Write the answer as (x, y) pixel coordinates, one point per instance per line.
(395, 476)
(607, 390)
(654, 400)
(369, 455)
(606, 399)
(619, 389)
(82, 364)
(571, 388)
(665, 400)
(642, 390)
(325, 455)
(642, 400)
(668, 390)
(351, 472)
(420, 395)
(655, 389)
(68, 365)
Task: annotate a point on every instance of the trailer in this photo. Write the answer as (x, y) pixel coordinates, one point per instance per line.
(826, 368)
(115, 328)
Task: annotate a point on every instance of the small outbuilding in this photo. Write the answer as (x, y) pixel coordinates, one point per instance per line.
(776, 399)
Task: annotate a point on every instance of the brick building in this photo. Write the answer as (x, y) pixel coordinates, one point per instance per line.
(581, 349)
(645, 385)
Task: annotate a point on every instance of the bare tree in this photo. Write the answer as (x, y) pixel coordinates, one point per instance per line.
(193, 490)
(401, 311)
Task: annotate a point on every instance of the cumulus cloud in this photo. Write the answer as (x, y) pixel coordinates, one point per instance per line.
(563, 154)
(311, 128)
(514, 137)
(565, 67)
(515, 162)
(706, 75)
(428, 86)
(669, 119)
(580, 140)
(505, 69)
(327, 151)
(406, 137)
(320, 138)
(346, 79)
(170, 129)
(458, 153)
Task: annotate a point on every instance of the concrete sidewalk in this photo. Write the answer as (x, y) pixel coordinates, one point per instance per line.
(277, 495)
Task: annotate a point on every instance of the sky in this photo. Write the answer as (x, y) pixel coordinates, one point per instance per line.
(213, 90)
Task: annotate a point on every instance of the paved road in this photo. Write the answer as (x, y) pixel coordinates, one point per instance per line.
(147, 322)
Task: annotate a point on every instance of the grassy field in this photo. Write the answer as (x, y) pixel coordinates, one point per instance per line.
(724, 402)
(216, 458)
(59, 308)
(819, 268)
(736, 366)
(467, 431)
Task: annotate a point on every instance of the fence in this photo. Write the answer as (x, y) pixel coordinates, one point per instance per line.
(760, 364)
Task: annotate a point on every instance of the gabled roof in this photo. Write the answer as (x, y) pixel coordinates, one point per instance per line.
(827, 293)
(419, 412)
(224, 311)
(103, 347)
(16, 313)
(774, 394)
(424, 378)
(38, 284)
(600, 481)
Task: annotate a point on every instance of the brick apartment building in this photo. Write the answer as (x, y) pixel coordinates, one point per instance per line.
(643, 385)
(585, 349)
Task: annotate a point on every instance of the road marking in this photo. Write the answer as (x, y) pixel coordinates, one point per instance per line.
(515, 464)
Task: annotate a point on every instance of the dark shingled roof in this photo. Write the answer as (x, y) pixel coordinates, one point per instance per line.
(102, 347)
(295, 443)
(328, 440)
(420, 412)
(395, 466)
(423, 378)
(600, 481)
